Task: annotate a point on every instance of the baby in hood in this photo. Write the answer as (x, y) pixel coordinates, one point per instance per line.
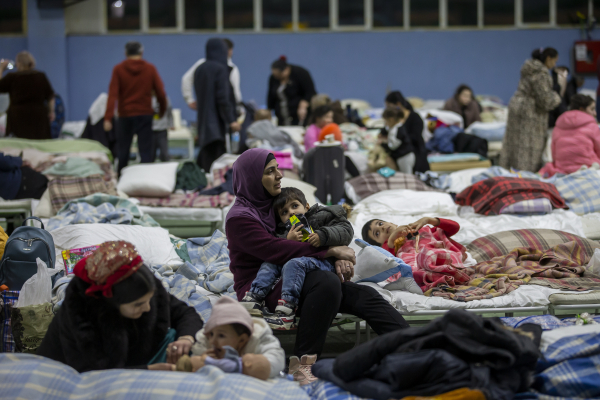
(235, 342)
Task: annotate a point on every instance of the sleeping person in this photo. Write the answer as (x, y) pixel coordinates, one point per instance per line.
(433, 256)
(323, 226)
(235, 342)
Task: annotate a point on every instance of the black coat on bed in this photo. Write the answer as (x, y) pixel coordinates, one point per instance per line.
(89, 333)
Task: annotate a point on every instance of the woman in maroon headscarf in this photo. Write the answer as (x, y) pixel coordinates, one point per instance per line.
(250, 228)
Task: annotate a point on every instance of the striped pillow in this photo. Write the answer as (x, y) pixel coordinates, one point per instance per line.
(502, 243)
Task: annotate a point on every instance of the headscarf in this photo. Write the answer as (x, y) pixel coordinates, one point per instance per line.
(252, 200)
(216, 50)
(108, 265)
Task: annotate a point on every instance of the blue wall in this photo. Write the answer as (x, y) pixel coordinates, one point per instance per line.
(427, 64)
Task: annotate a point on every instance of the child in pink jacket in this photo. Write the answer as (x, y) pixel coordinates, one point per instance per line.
(575, 139)
(321, 116)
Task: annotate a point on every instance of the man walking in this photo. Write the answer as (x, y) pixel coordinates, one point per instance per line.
(132, 85)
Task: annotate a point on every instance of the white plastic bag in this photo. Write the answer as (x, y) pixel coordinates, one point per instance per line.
(38, 288)
(593, 266)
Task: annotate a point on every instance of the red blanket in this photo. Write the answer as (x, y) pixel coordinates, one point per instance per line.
(491, 195)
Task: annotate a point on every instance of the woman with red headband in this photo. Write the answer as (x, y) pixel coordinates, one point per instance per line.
(116, 314)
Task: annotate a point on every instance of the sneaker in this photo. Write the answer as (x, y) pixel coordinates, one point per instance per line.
(283, 318)
(253, 304)
(301, 369)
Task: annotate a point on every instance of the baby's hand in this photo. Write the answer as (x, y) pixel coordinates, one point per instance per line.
(314, 239)
(198, 362)
(295, 234)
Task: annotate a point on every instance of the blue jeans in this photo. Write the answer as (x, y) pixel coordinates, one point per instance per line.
(292, 273)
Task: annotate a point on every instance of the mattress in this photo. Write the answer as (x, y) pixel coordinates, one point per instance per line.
(183, 213)
(524, 296)
(405, 206)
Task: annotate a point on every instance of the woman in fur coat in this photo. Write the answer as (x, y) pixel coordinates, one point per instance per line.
(116, 314)
(528, 111)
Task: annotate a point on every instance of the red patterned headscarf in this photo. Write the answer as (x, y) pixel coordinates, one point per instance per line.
(110, 264)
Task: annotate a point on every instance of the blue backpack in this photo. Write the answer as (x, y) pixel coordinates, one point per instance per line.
(22, 248)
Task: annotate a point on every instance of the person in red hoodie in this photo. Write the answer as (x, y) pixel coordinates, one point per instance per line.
(132, 84)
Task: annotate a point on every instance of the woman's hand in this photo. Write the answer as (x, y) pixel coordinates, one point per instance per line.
(235, 127)
(416, 226)
(314, 239)
(177, 349)
(342, 253)
(344, 270)
(295, 234)
(107, 125)
(161, 367)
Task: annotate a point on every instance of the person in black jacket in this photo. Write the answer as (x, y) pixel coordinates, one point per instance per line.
(215, 103)
(290, 90)
(116, 314)
(413, 124)
(396, 141)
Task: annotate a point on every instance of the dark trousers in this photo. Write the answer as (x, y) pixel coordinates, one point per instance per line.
(209, 153)
(323, 296)
(126, 128)
(33, 184)
(160, 141)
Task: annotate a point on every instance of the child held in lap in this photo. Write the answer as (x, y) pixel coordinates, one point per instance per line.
(328, 227)
(235, 342)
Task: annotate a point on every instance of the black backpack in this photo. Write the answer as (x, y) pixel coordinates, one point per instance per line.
(22, 248)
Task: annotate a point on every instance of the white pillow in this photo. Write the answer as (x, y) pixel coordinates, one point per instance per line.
(152, 243)
(44, 207)
(149, 180)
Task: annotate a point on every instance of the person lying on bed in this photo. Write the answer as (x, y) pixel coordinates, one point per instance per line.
(116, 314)
(442, 260)
(237, 343)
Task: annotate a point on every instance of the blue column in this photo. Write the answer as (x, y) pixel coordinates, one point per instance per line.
(46, 40)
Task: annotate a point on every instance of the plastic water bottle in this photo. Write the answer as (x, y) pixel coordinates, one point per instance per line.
(235, 142)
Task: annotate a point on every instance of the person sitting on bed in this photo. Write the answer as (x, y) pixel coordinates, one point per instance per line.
(443, 259)
(237, 343)
(327, 226)
(395, 140)
(116, 314)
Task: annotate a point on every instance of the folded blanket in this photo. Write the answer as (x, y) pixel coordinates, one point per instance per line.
(581, 191)
(64, 189)
(529, 207)
(490, 196)
(368, 184)
(74, 166)
(577, 284)
(100, 208)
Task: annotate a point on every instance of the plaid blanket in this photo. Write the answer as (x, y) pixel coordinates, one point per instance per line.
(438, 261)
(25, 376)
(100, 208)
(503, 274)
(547, 322)
(577, 284)
(324, 390)
(499, 171)
(369, 184)
(490, 196)
(194, 200)
(530, 207)
(569, 368)
(64, 189)
(8, 299)
(581, 191)
(502, 243)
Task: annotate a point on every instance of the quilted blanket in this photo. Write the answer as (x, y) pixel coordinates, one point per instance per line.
(581, 191)
(490, 196)
(24, 376)
(100, 208)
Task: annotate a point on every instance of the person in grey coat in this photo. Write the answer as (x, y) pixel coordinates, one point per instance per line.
(318, 225)
(215, 104)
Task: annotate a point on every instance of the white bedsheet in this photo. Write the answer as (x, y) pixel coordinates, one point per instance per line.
(406, 206)
(524, 296)
(153, 244)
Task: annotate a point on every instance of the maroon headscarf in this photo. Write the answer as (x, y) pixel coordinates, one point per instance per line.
(252, 200)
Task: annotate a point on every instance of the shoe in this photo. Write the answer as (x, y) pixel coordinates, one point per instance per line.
(301, 369)
(283, 318)
(253, 304)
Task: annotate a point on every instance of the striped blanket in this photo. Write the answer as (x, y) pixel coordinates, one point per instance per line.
(66, 188)
(24, 376)
(503, 274)
(490, 196)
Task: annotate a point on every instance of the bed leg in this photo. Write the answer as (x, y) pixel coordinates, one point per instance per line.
(509, 314)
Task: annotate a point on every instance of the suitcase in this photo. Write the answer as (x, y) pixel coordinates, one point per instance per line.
(324, 168)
